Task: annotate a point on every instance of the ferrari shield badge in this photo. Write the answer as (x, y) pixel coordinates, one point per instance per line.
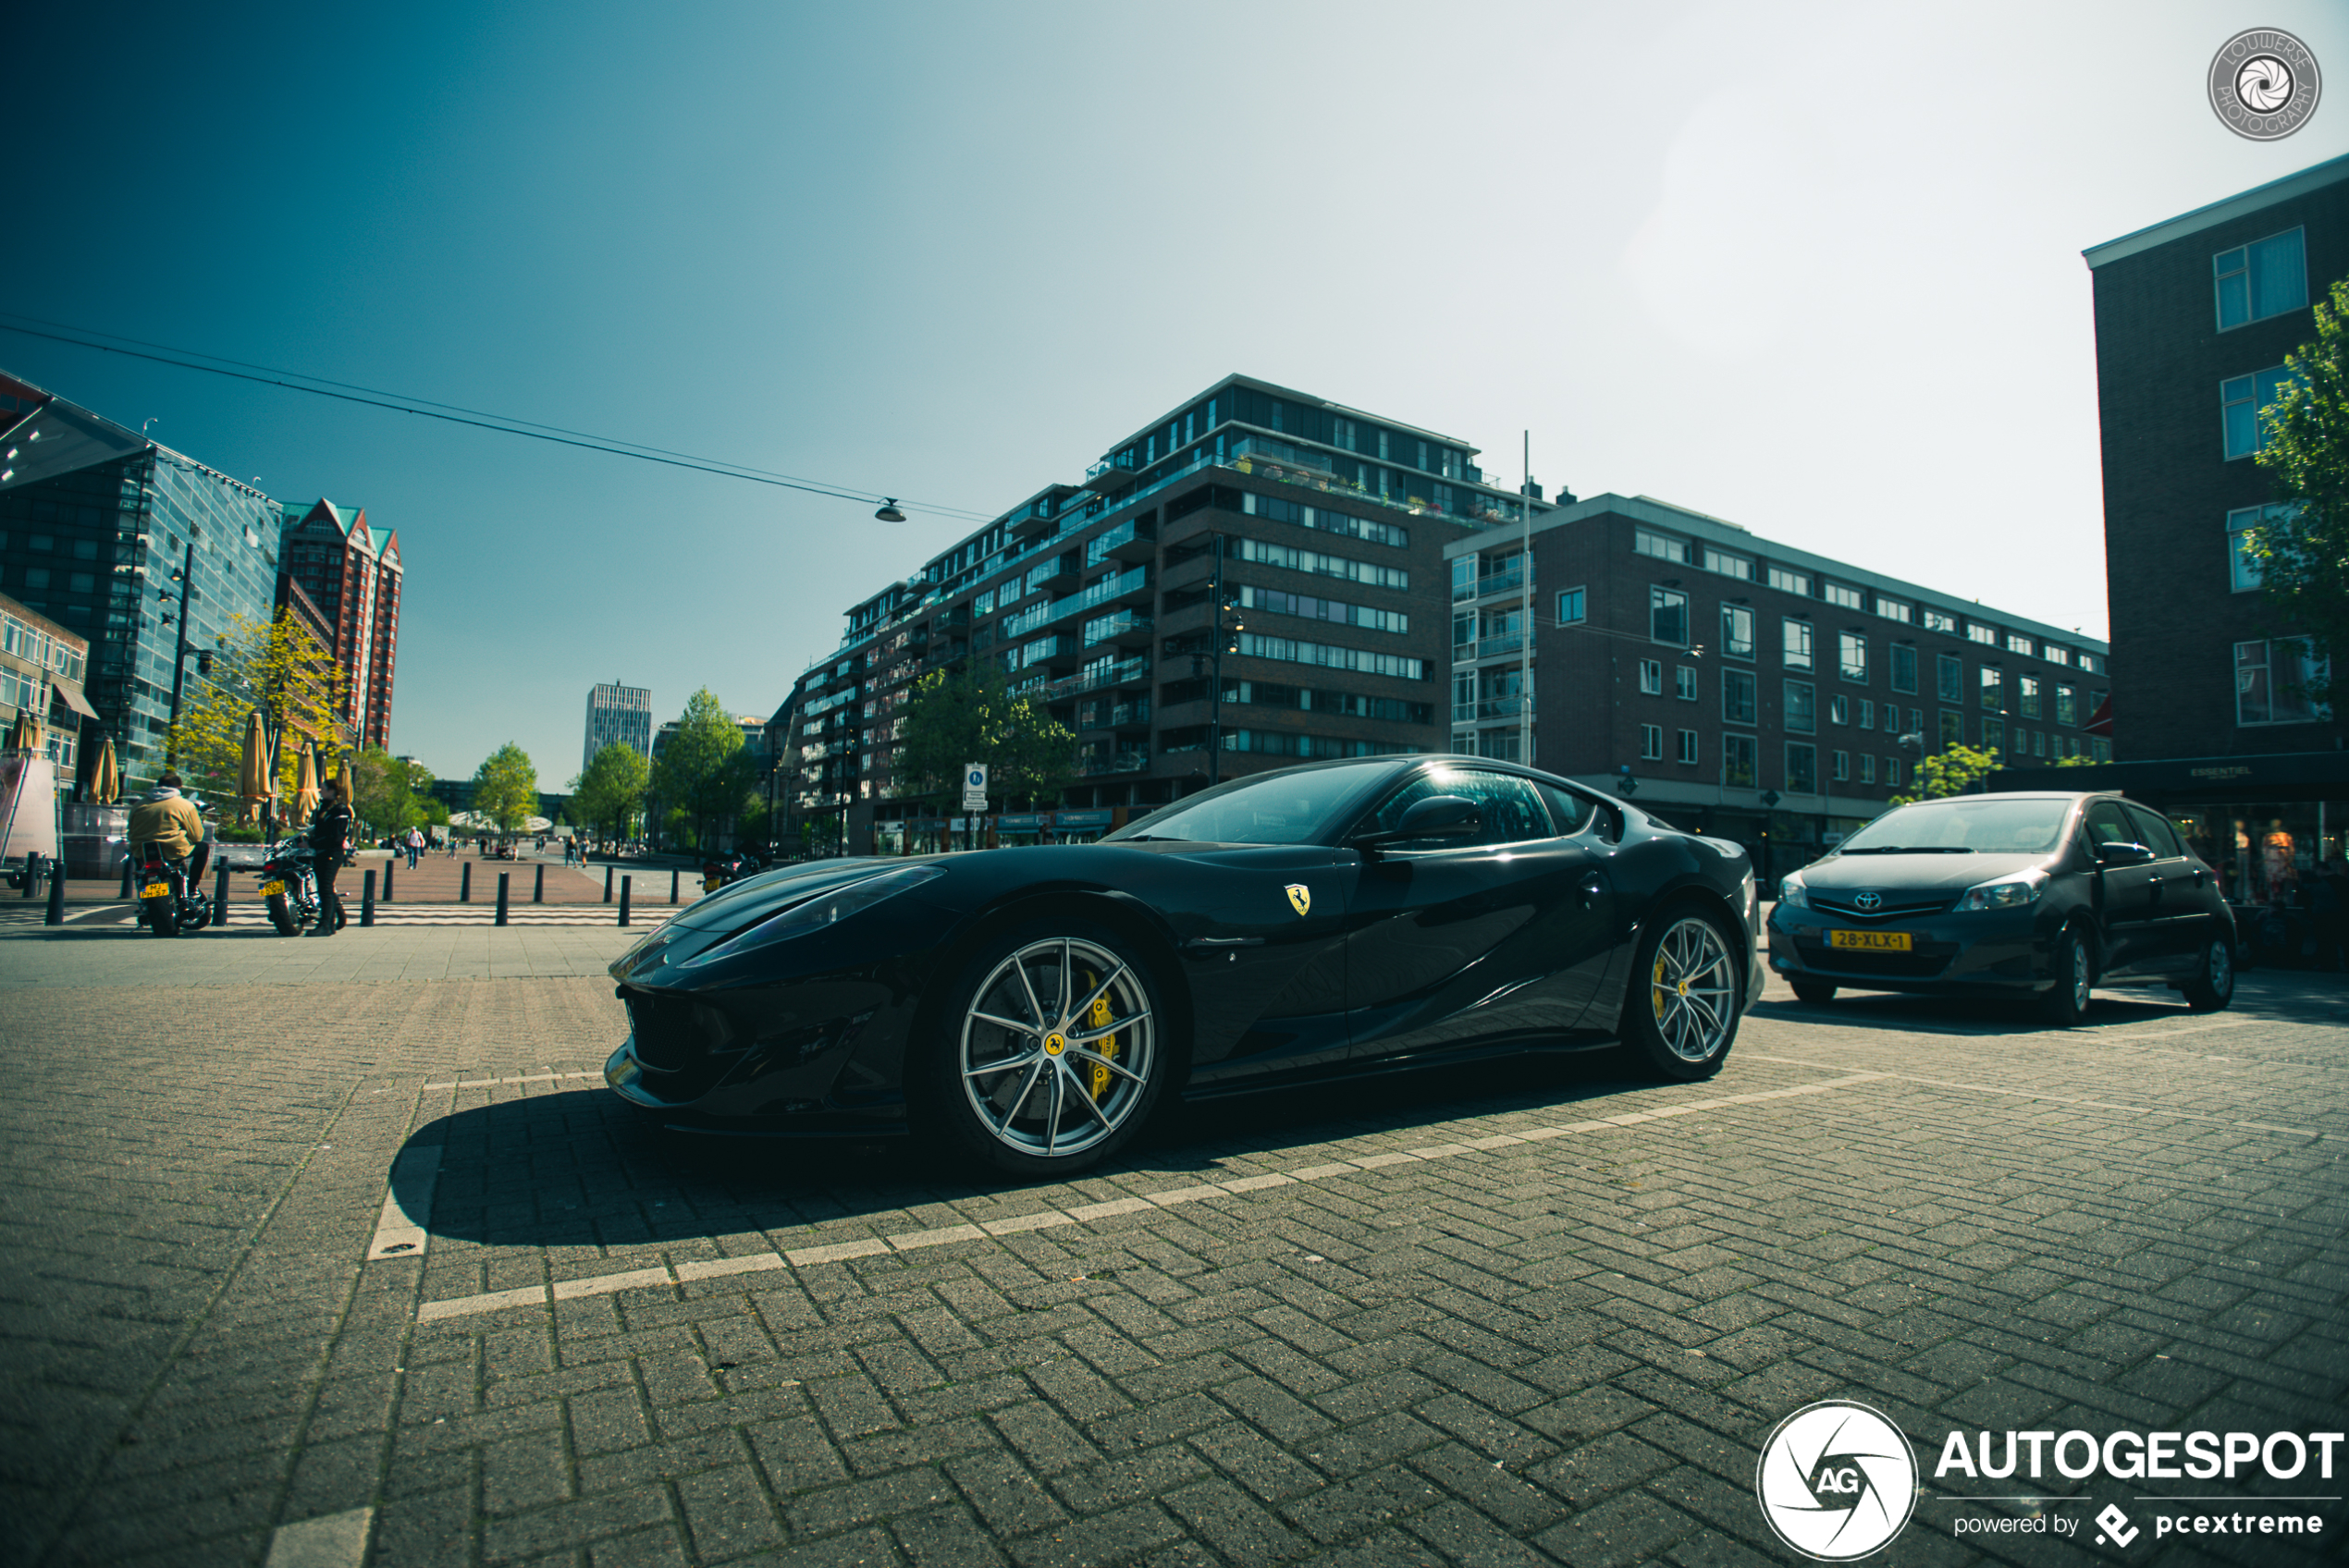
(1301, 896)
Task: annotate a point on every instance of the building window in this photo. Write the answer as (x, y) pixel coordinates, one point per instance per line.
(2067, 705)
(2088, 663)
(1737, 762)
(1867, 768)
(1851, 656)
(1684, 683)
(2271, 683)
(1737, 696)
(2264, 278)
(1903, 676)
(1941, 621)
(1729, 565)
(1787, 581)
(1838, 709)
(1951, 674)
(1845, 598)
(1571, 606)
(2026, 696)
(2018, 643)
(1867, 714)
(2243, 567)
(2240, 402)
(1801, 707)
(2054, 655)
(1736, 631)
(1986, 635)
(1669, 617)
(1994, 688)
(1652, 677)
(1688, 747)
(1993, 736)
(1893, 610)
(1952, 729)
(1663, 547)
(1651, 742)
(1797, 635)
(1840, 764)
(1801, 769)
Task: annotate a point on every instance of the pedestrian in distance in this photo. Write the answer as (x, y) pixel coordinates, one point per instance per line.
(416, 846)
(329, 833)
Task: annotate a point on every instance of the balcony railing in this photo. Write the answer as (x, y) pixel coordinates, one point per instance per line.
(1489, 707)
(1110, 472)
(1127, 541)
(1498, 583)
(1126, 626)
(1487, 647)
(1117, 762)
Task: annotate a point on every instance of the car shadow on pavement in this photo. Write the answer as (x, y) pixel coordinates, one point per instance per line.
(581, 1167)
(2265, 996)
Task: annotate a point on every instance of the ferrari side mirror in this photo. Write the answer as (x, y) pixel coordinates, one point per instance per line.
(1438, 816)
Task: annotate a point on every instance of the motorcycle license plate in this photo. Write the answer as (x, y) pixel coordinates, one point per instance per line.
(155, 890)
(268, 888)
(710, 883)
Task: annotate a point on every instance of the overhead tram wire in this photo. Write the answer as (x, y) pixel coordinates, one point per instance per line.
(454, 414)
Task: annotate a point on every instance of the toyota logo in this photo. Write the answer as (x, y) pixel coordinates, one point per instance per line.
(1868, 901)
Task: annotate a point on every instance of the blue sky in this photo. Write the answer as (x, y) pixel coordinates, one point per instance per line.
(1814, 269)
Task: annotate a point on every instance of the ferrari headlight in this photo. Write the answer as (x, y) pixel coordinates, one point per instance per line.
(2009, 892)
(1792, 894)
(827, 908)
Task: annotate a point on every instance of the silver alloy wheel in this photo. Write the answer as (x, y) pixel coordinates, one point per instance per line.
(1057, 1047)
(2079, 975)
(1693, 989)
(2221, 965)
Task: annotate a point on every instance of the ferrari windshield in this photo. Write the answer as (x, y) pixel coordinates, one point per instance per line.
(1970, 824)
(1294, 806)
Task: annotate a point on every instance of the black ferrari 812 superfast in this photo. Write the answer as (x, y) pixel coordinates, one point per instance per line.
(1029, 1008)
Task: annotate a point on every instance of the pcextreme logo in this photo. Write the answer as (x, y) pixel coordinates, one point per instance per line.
(1837, 1480)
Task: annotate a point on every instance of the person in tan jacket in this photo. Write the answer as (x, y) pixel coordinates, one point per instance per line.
(168, 820)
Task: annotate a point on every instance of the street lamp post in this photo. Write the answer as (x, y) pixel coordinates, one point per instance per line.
(187, 576)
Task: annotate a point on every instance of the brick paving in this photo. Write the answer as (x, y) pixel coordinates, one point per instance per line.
(1544, 1349)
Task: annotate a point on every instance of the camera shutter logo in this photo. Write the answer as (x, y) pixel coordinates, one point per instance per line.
(1868, 901)
(1837, 1480)
(2264, 84)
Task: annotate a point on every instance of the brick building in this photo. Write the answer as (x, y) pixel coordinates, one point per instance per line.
(350, 572)
(2194, 318)
(1742, 687)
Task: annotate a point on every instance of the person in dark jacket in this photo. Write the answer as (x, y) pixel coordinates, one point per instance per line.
(329, 830)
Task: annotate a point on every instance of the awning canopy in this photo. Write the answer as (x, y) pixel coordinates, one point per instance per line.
(71, 693)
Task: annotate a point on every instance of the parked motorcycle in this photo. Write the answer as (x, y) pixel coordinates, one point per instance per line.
(716, 873)
(167, 901)
(289, 888)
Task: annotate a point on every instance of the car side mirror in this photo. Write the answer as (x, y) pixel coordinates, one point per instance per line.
(1438, 816)
(2120, 853)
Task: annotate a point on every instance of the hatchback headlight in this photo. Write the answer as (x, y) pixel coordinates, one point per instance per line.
(827, 908)
(1792, 894)
(2009, 892)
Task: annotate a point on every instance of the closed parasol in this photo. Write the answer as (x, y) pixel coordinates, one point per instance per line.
(26, 735)
(254, 780)
(105, 775)
(305, 795)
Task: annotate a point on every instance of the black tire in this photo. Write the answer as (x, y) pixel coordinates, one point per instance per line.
(1683, 1007)
(2074, 973)
(163, 917)
(1006, 1127)
(281, 916)
(2213, 985)
(1812, 993)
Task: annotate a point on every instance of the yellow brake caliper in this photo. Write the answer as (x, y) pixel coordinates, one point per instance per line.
(1657, 990)
(1098, 1018)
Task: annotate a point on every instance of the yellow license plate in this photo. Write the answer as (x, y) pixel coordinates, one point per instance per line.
(269, 887)
(155, 890)
(710, 883)
(1873, 941)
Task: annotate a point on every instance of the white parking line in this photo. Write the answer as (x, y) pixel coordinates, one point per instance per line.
(400, 1232)
(876, 1246)
(331, 1540)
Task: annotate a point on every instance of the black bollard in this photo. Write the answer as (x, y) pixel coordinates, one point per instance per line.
(126, 875)
(607, 871)
(672, 884)
(623, 898)
(32, 872)
(538, 885)
(220, 895)
(387, 866)
(465, 883)
(501, 897)
(367, 898)
(57, 912)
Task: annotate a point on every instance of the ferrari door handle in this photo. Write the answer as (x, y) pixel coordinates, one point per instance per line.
(1593, 891)
(1215, 944)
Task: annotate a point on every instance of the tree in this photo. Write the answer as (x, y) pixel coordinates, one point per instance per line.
(383, 791)
(702, 774)
(506, 787)
(278, 667)
(2303, 549)
(969, 714)
(1954, 772)
(608, 793)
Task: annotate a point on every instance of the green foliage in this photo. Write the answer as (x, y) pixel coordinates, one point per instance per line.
(611, 792)
(703, 774)
(384, 792)
(969, 715)
(2082, 760)
(506, 787)
(1953, 772)
(280, 669)
(2303, 557)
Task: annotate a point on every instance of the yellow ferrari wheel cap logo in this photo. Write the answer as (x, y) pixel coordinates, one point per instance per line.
(1301, 896)
(1684, 987)
(1054, 1044)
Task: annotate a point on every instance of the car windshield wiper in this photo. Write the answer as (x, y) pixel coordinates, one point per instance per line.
(1911, 849)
